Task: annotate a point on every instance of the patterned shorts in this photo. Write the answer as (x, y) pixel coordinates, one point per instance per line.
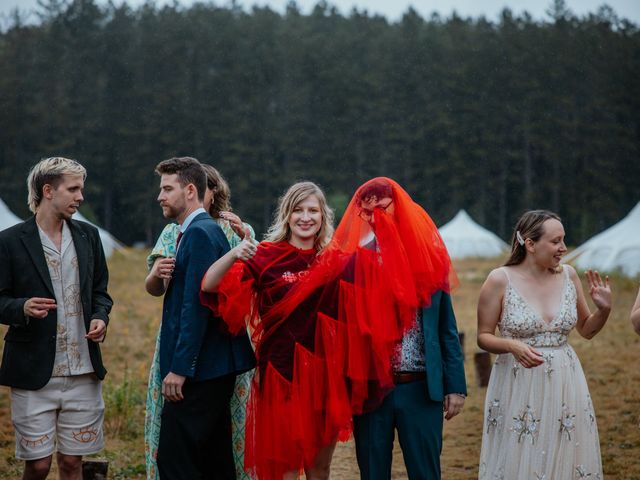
(67, 411)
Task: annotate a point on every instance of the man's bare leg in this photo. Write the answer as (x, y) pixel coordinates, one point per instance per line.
(69, 466)
(37, 469)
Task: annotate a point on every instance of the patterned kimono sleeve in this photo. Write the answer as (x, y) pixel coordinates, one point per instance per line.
(165, 245)
(232, 237)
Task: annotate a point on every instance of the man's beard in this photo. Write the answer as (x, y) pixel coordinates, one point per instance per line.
(170, 212)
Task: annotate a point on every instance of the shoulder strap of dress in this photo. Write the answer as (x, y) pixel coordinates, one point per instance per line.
(506, 274)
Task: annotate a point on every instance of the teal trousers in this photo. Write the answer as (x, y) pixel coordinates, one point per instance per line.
(418, 421)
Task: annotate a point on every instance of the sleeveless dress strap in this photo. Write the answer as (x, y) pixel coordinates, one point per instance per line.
(506, 274)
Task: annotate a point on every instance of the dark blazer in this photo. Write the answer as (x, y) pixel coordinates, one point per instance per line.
(194, 343)
(30, 343)
(443, 354)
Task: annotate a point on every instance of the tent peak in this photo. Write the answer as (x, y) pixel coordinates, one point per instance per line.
(463, 238)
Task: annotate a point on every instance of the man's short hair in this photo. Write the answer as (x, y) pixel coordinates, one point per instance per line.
(49, 171)
(188, 169)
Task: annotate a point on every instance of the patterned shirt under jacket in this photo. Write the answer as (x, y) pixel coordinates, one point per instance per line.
(72, 350)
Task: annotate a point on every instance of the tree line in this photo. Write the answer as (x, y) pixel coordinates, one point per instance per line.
(492, 116)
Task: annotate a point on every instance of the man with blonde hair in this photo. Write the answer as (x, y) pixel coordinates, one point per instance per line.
(53, 297)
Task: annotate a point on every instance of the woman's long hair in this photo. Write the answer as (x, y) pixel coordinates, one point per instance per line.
(221, 192)
(299, 192)
(530, 225)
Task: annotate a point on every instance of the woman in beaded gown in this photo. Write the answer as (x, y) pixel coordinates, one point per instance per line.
(539, 420)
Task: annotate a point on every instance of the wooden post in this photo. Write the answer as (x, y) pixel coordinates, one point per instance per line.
(482, 361)
(94, 469)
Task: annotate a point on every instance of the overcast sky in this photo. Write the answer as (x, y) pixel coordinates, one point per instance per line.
(393, 9)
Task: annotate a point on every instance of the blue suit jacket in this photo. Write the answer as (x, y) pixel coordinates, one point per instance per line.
(193, 342)
(443, 355)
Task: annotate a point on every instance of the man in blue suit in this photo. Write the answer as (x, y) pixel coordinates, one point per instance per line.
(428, 373)
(199, 360)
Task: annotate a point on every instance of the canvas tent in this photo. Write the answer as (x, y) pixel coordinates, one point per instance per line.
(465, 238)
(109, 243)
(617, 248)
(7, 217)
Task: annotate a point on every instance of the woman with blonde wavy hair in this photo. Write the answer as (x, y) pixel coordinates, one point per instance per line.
(287, 427)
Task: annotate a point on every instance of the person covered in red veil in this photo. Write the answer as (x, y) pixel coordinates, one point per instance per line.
(426, 362)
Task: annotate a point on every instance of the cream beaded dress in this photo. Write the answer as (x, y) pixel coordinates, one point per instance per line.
(539, 423)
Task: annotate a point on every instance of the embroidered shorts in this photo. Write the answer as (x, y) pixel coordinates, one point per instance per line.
(67, 411)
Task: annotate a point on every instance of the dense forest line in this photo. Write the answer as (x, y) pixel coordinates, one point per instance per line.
(492, 116)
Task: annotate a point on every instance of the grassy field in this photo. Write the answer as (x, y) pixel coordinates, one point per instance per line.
(610, 362)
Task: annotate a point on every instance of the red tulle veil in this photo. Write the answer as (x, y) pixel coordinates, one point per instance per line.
(357, 300)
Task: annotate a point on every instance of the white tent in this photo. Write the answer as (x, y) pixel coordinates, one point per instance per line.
(7, 217)
(109, 242)
(465, 238)
(617, 248)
